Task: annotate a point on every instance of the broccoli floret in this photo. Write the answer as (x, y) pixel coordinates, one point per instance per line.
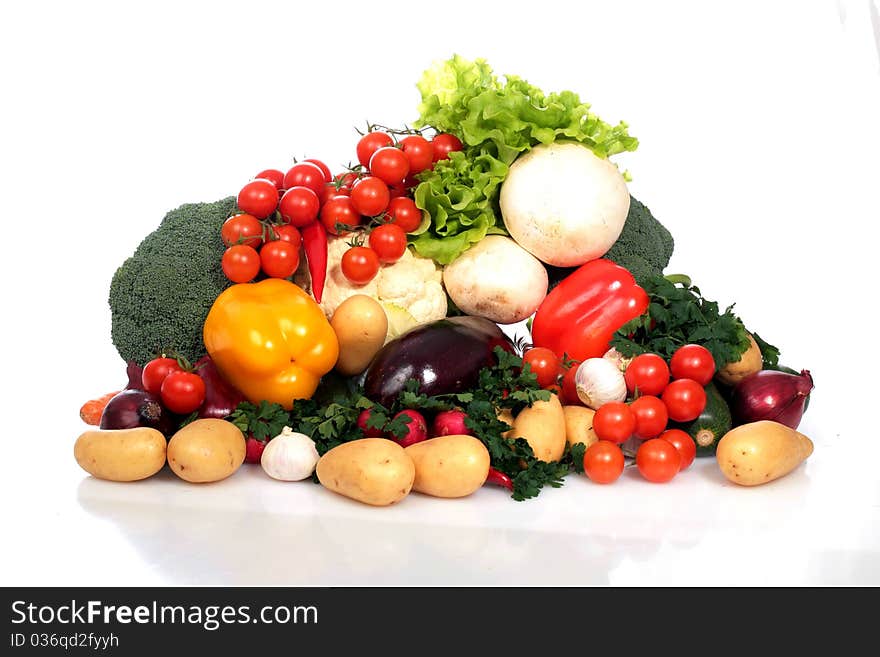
(160, 296)
(644, 246)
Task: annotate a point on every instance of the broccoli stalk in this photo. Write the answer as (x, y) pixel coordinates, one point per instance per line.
(160, 296)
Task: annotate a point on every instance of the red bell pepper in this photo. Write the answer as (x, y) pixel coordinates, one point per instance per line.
(314, 238)
(580, 315)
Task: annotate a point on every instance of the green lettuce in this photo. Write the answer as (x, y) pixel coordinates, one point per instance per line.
(496, 121)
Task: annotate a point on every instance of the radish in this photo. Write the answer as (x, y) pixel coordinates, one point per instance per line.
(369, 432)
(416, 428)
(450, 423)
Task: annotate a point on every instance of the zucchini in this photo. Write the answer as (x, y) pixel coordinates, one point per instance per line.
(711, 425)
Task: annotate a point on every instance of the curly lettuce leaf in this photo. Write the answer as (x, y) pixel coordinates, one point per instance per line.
(496, 121)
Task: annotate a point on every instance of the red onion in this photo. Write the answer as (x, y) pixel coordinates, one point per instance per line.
(136, 408)
(771, 395)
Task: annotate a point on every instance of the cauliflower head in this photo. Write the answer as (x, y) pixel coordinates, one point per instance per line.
(410, 290)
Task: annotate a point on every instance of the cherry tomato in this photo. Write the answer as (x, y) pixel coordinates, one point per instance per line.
(370, 196)
(240, 263)
(339, 210)
(274, 176)
(389, 165)
(651, 416)
(242, 229)
(658, 460)
(345, 181)
(556, 389)
(323, 167)
(419, 152)
(405, 213)
(305, 174)
(389, 243)
(685, 445)
(569, 388)
(370, 143)
(603, 462)
(155, 372)
(360, 264)
(287, 233)
(330, 190)
(397, 191)
(544, 363)
(685, 399)
(182, 392)
(693, 361)
(258, 198)
(647, 373)
(299, 206)
(614, 421)
(443, 144)
(279, 259)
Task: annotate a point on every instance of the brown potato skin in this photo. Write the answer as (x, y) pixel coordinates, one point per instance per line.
(449, 466)
(374, 471)
(759, 452)
(750, 362)
(206, 450)
(360, 324)
(121, 454)
(543, 426)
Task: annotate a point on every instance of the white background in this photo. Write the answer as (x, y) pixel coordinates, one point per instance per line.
(759, 137)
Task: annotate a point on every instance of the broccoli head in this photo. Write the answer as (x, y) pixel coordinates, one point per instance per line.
(160, 296)
(644, 246)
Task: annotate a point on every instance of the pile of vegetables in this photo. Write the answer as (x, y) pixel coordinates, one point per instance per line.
(344, 327)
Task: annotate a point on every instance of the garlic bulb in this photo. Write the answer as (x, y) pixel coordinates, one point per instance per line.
(599, 381)
(290, 456)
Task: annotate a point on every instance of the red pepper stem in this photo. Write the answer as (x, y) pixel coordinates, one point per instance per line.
(314, 238)
(499, 479)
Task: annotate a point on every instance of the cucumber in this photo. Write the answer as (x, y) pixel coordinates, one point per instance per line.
(711, 425)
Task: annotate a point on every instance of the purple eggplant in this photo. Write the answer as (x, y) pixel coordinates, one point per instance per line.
(445, 356)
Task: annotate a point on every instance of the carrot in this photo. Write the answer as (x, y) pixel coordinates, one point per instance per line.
(91, 411)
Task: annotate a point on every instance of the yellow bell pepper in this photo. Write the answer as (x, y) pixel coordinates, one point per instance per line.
(270, 340)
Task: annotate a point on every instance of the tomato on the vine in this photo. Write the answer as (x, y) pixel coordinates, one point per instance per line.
(323, 167)
(405, 213)
(685, 399)
(305, 174)
(240, 263)
(693, 361)
(287, 233)
(544, 364)
(182, 392)
(658, 460)
(647, 374)
(155, 371)
(389, 165)
(330, 190)
(242, 229)
(614, 421)
(603, 462)
(258, 198)
(389, 242)
(279, 259)
(339, 210)
(299, 206)
(419, 152)
(370, 143)
(370, 196)
(569, 387)
(345, 181)
(685, 445)
(651, 416)
(443, 144)
(274, 176)
(360, 264)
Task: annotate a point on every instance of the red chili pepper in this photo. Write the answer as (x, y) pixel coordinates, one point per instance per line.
(314, 238)
(580, 315)
(499, 479)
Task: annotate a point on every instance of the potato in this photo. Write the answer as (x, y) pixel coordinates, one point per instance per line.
(758, 452)
(360, 324)
(579, 425)
(543, 426)
(750, 362)
(449, 466)
(121, 454)
(506, 416)
(374, 471)
(206, 450)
